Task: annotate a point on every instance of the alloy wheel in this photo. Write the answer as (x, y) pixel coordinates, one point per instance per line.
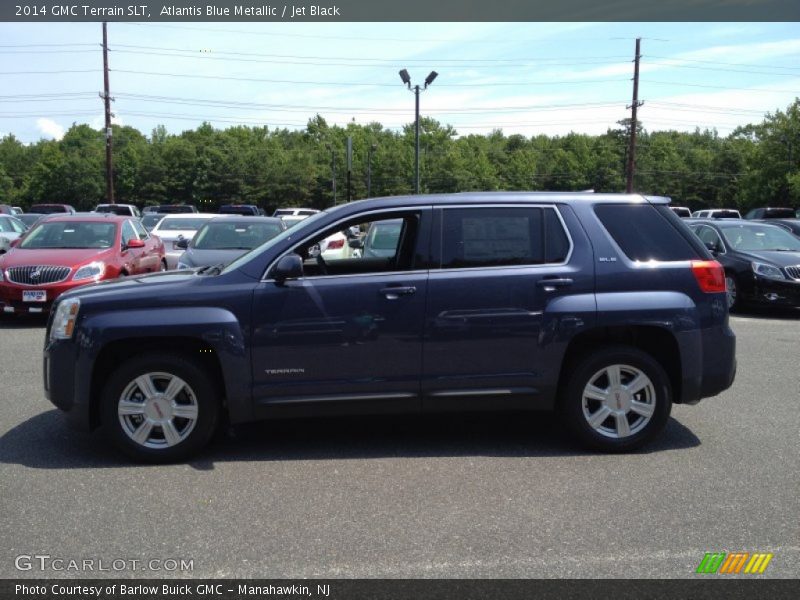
(618, 401)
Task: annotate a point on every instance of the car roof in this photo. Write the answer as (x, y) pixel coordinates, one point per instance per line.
(510, 197)
(245, 219)
(189, 215)
(88, 217)
(734, 222)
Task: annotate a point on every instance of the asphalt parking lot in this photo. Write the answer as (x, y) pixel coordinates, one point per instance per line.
(456, 496)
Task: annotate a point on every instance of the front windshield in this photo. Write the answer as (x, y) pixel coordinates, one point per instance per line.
(234, 236)
(755, 238)
(255, 252)
(70, 234)
(172, 224)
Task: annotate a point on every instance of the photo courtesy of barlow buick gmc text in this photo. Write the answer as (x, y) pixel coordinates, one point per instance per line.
(376, 300)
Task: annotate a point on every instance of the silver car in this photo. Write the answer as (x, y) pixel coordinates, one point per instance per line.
(172, 229)
(10, 229)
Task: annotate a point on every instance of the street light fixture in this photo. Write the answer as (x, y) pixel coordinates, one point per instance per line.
(406, 78)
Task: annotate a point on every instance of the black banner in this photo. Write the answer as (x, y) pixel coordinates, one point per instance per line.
(413, 589)
(401, 11)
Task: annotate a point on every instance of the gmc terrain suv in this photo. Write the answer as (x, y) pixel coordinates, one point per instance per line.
(605, 308)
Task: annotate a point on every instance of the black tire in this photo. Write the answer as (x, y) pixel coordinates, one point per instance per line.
(736, 304)
(658, 398)
(200, 393)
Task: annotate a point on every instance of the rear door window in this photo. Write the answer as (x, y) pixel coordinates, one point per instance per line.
(644, 232)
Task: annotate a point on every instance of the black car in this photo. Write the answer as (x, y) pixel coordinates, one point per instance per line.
(171, 209)
(761, 260)
(792, 225)
(247, 210)
(151, 219)
(770, 213)
(682, 211)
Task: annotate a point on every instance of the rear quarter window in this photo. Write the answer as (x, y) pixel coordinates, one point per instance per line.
(645, 232)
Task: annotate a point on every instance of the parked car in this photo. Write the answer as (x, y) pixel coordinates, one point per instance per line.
(221, 240)
(381, 239)
(150, 220)
(240, 209)
(62, 252)
(10, 229)
(602, 307)
(717, 213)
(294, 212)
(177, 227)
(128, 210)
(682, 211)
(761, 261)
(17, 210)
(770, 213)
(791, 225)
(28, 219)
(5, 209)
(46, 209)
(171, 209)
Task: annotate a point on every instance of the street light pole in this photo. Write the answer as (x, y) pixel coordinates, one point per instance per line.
(406, 78)
(333, 172)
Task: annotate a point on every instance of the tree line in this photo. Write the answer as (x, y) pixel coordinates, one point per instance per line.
(756, 165)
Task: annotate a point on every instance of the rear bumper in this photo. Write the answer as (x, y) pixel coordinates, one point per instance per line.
(709, 367)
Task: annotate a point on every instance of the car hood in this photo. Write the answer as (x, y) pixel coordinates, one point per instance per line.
(19, 257)
(207, 258)
(123, 288)
(781, 259)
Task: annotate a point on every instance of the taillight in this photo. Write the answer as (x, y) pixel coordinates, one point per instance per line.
(710, 276)
(335, 245)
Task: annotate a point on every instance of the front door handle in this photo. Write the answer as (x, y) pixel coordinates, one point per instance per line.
(394, 292)
(550, 285)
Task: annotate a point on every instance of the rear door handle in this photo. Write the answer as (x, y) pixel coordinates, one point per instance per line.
(394, 292)
(550, 285)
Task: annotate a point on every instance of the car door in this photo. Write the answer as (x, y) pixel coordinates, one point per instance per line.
(347, 335)
(149, 260)
(131, 257)
(489, 341)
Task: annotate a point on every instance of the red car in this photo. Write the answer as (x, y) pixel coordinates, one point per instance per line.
(64, 252)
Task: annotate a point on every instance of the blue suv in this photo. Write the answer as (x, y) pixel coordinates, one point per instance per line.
(605, 308)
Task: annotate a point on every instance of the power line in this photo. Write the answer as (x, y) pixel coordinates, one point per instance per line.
(714, 62)
(719, 87)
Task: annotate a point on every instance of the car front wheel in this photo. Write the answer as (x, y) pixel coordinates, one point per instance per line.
(616, 399)
(159, 408)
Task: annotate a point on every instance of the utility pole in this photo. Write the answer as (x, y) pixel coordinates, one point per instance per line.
(333, 172)
(634, 105)
(349, 168)
(372, 149)
(107, 100)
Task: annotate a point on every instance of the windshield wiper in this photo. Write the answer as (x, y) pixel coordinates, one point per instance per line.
(212, 270)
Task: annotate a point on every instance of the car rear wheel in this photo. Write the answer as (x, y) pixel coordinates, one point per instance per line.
(159, 408)
(616, 399)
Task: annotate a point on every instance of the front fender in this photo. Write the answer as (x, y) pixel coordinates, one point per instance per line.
(216, 327)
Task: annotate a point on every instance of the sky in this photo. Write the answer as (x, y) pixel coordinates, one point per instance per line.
(522, 78)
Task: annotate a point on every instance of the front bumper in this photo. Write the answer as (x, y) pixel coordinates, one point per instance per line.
(66, 381)
(771, 292)
(11, 296)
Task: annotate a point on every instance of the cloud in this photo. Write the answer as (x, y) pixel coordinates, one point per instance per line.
(50, 128)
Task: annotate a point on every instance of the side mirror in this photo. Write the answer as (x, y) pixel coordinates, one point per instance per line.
(135, 243)
(288, 267)
(356, 244)
(712, 248)
(182, 243)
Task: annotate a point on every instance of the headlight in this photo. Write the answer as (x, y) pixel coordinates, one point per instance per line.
(64, 319)
(768, 271)
(93, 270)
